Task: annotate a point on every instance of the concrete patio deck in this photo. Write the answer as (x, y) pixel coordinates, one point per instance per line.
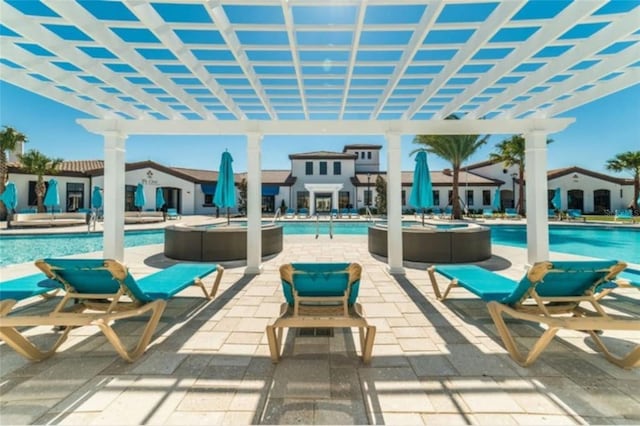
(433, 362)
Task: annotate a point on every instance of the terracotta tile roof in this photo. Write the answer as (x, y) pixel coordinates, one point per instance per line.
(361, 146)
(282, 177)
(321, 155)
(197, 175)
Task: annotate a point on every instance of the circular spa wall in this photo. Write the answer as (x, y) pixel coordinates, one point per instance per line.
(429, 244)
(217, 244)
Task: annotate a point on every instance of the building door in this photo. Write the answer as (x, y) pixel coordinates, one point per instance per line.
(129, 198)
(75, 196)
(323, 203)
(268, 203)
(172, 198)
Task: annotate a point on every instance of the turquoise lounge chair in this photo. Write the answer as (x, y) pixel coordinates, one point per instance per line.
(334, 213)
(625, 214)
(320, 295)
(487, 213)
(511, 213)
(14, 290)
(100, 292)
(172, 214)
(551, 293)
(552, 214)
(575, 214)
(290, 214)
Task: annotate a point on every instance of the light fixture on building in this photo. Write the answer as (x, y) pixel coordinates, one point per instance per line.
(575, 177)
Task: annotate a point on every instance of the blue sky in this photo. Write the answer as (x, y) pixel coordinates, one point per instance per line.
(604, 128)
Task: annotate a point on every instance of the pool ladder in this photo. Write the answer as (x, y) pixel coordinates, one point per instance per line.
(318, 226)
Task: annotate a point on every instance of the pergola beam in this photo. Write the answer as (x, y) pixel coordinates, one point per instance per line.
(327, 127)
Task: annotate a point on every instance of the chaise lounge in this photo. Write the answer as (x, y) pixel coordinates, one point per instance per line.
(320, 295)
(100, 292)
(553, 294)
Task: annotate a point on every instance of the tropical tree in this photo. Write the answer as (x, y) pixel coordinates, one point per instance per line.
(9, 140)
(629, 160)
(455, 149)
(242, 202)
(381, 195)
(36, 163)
(511, 152)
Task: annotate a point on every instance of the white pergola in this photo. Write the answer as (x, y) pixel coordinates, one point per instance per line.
(301, 67)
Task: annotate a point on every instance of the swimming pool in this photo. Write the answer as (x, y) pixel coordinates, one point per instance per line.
(594, 241)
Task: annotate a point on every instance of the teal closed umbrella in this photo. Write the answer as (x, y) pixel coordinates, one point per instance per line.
(557, 199)
(159, 198)
(96, 198)
(52, 197)
(497, 204)
(421, 190)
(225, 195)
(10, 197)
(139, 200)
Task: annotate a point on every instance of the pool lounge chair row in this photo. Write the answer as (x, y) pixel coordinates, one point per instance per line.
(558, 295)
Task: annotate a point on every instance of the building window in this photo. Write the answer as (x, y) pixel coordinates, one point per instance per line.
(486, 197)
(75, 196)
(308, 168)
(362, 155)
(404, 197)
(208, 199)
(367, 197)
(469, 197)
(369, 155)
(436, 198)
(450, 198)
(337, 168)
(323, 167)
(302, 200)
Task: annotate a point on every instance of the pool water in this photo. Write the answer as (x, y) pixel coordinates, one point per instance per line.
(594, 241)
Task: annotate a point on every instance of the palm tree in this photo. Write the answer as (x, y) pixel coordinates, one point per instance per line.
(36, 163)
(455, 149)
(511, 152)
(9, 140)
(629, 160)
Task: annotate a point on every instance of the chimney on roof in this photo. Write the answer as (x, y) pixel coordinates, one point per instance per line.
(447, 172)
(13, 155)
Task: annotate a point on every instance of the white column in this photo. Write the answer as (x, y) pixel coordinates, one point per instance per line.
(394, 204)
(535, 155)
(334, 199)
(113, 204)
(254, 204)
(312, 202)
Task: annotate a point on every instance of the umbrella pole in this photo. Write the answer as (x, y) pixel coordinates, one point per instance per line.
(228, 217)
(422, 217)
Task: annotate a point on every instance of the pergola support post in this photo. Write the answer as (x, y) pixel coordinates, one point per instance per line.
(394, 204)
(254, 204)
(536, 190)
(114, 187)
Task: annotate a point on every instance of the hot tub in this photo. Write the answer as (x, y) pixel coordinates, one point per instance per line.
(455, 243)
(216, 244)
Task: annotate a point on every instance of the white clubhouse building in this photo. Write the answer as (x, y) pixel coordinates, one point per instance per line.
(321, 181)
